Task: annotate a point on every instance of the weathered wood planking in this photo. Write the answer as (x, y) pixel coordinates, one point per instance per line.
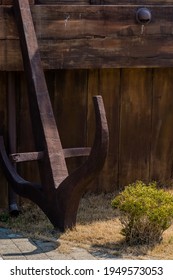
(10, 2)
(93, 89)
(107, 83)
(25, 140)
(135, 125)
(3, 129)
(109, 88)
(91, 36)
(162, 120)
(132, 2)
(70, 109)
(104, 2)
(64, 2)
(140, 129)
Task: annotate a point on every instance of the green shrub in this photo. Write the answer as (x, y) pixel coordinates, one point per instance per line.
(145, 212)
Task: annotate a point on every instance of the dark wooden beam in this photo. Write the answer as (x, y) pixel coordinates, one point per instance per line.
(68, 153)
(91, 36)
(11, 2)
(21, 157)
(76, 152)
(43, 121)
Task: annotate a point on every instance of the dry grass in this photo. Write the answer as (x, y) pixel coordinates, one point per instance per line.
(98, 229)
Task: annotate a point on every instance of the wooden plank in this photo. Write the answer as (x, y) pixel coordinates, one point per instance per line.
(10, 2)
(21, 157)
(69, 152)
(93, 89)
(107, 83)
(76, 152)
(25, 138)
(135, 125)
(119, 42)
(12, 135)
(109, 87)
(136, 2)
(70, 109)
(162, 136)
(94, 36)
(3, 131)
(64, 2)
(106, 2)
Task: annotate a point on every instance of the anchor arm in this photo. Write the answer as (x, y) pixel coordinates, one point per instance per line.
(21, 186)
(72, 188)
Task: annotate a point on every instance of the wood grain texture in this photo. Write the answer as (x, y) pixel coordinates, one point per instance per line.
(10, 2)
(104, 2)
(43, 122)
(99, 37)
(69, 104)
(3, 130)
(77, 36)
(25, 138)
(93, 89)
(162, 136)
(107, 83)
(109, 88)
(135, 125)
(64, 2)
(21, 157)
(145, 114)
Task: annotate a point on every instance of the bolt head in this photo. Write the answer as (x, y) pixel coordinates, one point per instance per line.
(143, 16)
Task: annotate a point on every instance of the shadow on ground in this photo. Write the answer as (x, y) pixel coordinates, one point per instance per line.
(23, 246)
(119, 250)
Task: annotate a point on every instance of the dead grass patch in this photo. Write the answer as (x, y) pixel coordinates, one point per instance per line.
(98, 229)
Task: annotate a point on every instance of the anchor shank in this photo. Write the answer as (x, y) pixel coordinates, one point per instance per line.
(43, 121)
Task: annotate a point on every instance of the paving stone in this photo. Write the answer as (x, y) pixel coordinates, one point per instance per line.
(5, 241)
(81, 254)
(40, 256)
(14, 257)
(25, 246)
(11, 248)
(14, 246)
(55, 255)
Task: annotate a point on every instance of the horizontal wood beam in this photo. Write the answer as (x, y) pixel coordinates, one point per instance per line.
(91, 37)
(76, 152)
(21, 157)
(32, 156)
(10, 2)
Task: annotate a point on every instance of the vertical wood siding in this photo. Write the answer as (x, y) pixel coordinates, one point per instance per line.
(139, 107)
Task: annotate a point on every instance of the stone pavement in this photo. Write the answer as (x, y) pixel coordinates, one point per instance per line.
(17, 247)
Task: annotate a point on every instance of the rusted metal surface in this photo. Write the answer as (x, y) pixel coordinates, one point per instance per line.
(59, 193)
